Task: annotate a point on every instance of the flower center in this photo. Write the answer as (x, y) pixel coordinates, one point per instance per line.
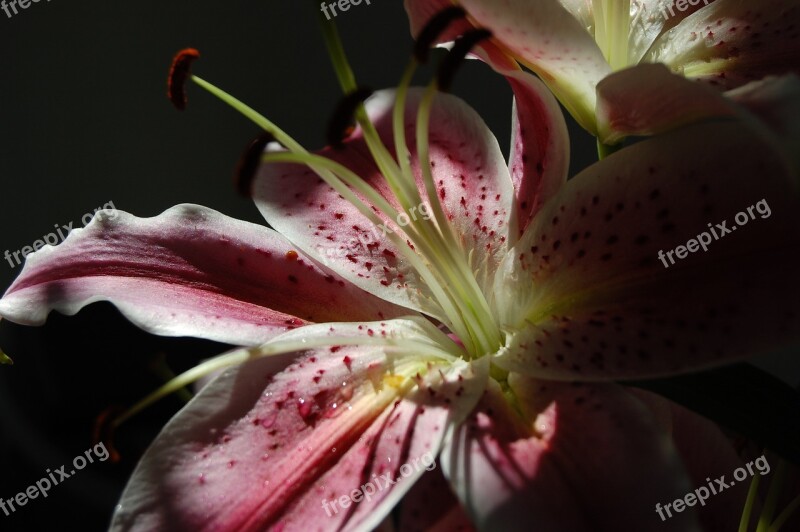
(428, 244)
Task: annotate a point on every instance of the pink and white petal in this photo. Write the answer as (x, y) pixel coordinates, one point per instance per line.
(257, 450)
(547, 38)
(420, 12)
(432, 506)
(470, 173)
(706, 453)
(602, 305)
(539, 159)
(729, 42)
(651, 18)
(570, 457)
(649, 99)
(190, 271)
(472, 183)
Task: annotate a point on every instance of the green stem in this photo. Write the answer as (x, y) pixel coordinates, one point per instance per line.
(604, 150)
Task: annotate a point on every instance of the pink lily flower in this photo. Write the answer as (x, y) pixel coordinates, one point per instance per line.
(576, 46)
(422, 304)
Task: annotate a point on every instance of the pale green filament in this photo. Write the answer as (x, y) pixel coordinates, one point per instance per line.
(765, 520)
(752, 495)
(612, 30)
(486, 330)
(445, 268)
(484, 335)
(259, 119)
(771, 502)
(424, 351)
(339, 184)
(162, 370)
(448, 302)
(442, 241)
(407, 196)
(784, 516)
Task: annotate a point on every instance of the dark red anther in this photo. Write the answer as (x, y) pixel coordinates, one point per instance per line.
(179, 72)
(248, 164)
(454, 59)
(103, 430)
(433, 29)
(341, 125)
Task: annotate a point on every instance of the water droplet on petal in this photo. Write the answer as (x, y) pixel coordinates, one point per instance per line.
(269, 420)
(304, 408)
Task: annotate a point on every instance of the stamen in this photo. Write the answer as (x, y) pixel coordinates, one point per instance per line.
(773, 494)
(433, 29)
(453, 60)
(429, 241)
(294, 342)
(342, 123)
(752, 493)
(179, 72)
(339, 177)
(248, 164)
(484, 333)
(103, 431)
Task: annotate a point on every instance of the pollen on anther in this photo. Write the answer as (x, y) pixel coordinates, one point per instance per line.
(179, 72)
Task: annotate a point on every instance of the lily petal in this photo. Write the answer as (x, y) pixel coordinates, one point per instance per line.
(472, 182)
(652, 18)
(603, 305)
(573, 458)
(190, 271)
(649, 99)
(547, 38)
(420, 12)
(256, 449)
(539, 159)
(706, 453)
(729, 43)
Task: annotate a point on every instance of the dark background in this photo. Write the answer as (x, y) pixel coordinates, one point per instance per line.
(84, 120)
